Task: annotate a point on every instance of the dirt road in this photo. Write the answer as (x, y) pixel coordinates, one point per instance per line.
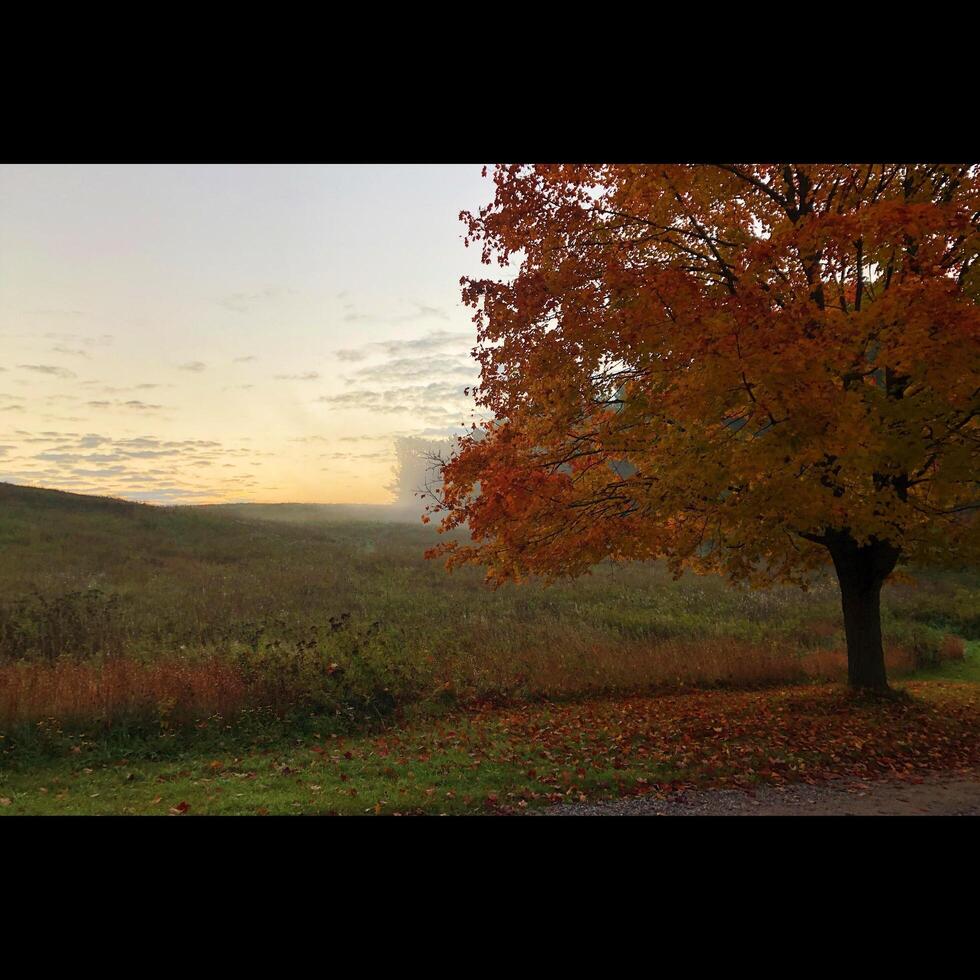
(957, 796)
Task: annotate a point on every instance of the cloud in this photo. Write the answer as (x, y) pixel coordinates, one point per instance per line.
(422, 312)
(58, 372)
(379, 454)
(53, 457)
(422, 378)
(192, 366)
(110, 390)
(134, 404)
(245, 302)
(87, 340)
(305, 376)
(140, 406)
(356, 398)
(435, 340)
(437, 403)
(91, 440)
(62, 349)
(412, 368)
(431, 311)
(418, 395)
(244, 360)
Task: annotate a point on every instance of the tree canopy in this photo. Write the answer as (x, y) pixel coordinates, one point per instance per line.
(737, 368)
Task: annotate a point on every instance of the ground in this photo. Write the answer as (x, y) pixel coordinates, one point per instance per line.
(806, 748)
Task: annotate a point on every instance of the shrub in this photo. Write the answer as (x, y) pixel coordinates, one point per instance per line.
(356, 672)
(952, 648)
(928, 645)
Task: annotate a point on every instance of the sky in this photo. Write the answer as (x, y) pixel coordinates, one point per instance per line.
(206, 333)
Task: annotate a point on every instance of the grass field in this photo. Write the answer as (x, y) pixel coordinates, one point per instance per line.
(232, 658)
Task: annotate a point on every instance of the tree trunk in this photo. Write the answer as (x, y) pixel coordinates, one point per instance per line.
(861, 571)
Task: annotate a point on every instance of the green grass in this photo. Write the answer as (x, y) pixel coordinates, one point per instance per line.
(283, 779)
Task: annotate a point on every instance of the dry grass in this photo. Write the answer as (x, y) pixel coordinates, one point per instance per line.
(831, 665)
(563, 670)
(80, 694)
(171, 692)
(569, 669)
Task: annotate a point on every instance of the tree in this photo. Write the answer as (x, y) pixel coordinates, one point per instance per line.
(750, 369)
(416, 478)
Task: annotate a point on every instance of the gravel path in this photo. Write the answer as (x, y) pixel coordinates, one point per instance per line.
(937, 797)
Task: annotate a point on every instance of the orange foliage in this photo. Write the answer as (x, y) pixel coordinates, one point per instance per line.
(720, 366)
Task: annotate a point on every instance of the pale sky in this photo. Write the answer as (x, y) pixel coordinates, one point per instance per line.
(203, 333)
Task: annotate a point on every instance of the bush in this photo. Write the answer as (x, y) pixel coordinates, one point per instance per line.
(358, 672)
(928, 645)
(952, 648)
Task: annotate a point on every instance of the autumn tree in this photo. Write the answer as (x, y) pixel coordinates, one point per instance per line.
(753, 369)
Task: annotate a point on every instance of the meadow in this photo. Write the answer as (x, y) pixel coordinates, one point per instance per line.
(130, 632)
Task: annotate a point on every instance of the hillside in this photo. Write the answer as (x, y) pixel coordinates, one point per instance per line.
(55, 542)
(39, 498)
